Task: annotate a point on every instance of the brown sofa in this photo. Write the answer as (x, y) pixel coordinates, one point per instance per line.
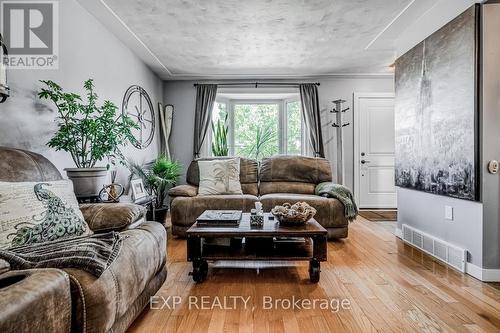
(279, 179)
(108, 303)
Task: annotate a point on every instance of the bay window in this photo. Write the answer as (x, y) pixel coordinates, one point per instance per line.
(260, 128)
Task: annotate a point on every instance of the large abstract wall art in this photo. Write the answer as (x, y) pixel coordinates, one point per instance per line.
(436, 112)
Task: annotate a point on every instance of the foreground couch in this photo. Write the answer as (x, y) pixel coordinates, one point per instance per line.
(279, 179)
(88, 304)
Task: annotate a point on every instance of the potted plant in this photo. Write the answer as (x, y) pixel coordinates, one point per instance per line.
(220, 130)
(158, 177)
(88, 132)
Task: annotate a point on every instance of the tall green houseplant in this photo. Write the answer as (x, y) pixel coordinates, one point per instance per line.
(220, 131)
(88, 132)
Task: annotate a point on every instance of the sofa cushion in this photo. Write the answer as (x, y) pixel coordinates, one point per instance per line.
(248, 173)
(183, 191)
(286, 187)
(99, 302)
(111, 216)
(285, 168)
(185, 210)
(330, 212)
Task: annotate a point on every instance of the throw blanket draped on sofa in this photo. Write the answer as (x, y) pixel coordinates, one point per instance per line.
(92, 254)
(341, 193)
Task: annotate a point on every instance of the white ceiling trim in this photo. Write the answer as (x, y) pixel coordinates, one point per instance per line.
(104, 14)
(278, 76)
(411, 13)
(107, 17)
(384, 31)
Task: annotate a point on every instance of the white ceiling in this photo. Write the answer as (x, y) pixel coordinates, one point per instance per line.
(260, 38)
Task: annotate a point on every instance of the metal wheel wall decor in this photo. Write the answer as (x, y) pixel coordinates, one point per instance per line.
(138, 106)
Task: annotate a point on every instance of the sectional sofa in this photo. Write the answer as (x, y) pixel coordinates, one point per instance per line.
(273, 181)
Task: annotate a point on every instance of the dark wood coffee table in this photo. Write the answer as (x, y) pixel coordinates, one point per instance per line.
(259, 244)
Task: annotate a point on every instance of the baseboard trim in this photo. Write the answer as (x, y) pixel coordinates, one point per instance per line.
(398, 233)
(483, 274)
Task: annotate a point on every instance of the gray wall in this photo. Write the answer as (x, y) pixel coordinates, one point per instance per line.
(490, 125)
(476, 224)
(182, 95)
(87, 50)
(426, 211)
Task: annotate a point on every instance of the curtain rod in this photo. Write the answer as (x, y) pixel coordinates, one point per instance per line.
(257, 84)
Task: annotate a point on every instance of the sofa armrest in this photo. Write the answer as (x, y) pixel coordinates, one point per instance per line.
(112, 216)
(35, 300)
(183, 191)
(4, 266)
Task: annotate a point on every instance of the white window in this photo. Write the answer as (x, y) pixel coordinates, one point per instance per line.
(260, 128)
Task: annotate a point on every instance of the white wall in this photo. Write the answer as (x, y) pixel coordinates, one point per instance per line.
(182, 95)
(87, 50)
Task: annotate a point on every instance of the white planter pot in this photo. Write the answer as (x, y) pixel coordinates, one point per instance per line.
(87, 182)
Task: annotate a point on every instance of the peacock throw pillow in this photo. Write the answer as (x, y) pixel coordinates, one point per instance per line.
(36, 212)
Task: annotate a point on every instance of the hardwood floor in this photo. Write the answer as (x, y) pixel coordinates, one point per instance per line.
(391, 287)
(379, 215)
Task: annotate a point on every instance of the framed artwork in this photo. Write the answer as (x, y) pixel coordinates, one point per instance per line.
(437, 111)
(138, 191)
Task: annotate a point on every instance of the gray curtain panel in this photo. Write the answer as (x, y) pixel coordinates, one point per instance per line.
(312, 117)
(205, 98)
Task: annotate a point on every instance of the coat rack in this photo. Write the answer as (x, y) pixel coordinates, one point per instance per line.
(339, 110)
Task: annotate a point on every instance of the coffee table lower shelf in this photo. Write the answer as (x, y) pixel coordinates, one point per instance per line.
(257, 249)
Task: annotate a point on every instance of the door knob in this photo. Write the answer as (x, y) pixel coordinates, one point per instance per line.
(364, 161)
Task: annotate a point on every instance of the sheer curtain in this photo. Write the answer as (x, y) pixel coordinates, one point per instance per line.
(312, 118)
(205, 99)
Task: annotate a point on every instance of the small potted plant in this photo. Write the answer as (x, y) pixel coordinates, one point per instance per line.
(88, 132)
(158, 177)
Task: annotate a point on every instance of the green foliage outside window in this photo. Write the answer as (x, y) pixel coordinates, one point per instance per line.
(256, 130)
(294, 129)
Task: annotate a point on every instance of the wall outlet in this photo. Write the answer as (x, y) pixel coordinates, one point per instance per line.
(448, 213)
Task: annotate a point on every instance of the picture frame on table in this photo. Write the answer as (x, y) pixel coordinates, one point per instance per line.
(138, 190)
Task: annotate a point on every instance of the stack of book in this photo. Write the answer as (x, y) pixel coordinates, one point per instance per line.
(220, 218)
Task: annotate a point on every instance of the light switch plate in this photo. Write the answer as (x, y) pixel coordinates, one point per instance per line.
(448, 213)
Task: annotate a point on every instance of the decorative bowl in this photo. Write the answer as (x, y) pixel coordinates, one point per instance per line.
(296, 214)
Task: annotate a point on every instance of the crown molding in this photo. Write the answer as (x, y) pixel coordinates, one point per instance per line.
(279, 76)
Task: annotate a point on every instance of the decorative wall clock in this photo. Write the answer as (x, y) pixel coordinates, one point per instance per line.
(137, 105)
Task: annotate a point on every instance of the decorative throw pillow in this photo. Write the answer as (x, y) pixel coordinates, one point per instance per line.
(36, 212)
(220, 176)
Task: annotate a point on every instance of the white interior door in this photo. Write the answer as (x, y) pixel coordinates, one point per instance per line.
(374, 150)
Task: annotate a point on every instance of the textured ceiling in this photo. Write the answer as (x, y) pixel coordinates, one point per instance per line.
(268, 37)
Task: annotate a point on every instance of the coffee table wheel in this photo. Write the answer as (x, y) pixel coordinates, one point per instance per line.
(200, 270)
(314, 269)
